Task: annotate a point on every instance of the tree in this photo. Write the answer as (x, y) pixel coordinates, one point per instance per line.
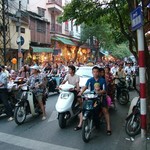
(116, 13)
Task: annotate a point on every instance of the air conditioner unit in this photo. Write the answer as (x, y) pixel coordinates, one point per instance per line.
(71, 33)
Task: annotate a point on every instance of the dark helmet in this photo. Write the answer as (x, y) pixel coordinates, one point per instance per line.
(72, 67)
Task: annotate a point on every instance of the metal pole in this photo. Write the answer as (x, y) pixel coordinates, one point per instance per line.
(140, 36)
(142, 78)
(19, 36)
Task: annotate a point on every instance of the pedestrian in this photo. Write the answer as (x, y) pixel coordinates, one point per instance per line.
(4, 94)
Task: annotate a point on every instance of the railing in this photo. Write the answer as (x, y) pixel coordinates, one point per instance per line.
(56, 28)
(58, 2)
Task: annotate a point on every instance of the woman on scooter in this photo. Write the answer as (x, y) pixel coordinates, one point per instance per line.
(36, 82)
(110, 83)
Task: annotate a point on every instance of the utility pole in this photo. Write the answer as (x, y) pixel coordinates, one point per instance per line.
(142, 77)
(4, 31)
(18, 24)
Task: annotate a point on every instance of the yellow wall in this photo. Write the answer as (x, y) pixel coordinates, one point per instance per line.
(14, 35)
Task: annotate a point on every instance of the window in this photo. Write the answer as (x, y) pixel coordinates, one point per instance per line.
(41, 12)
(22, 30)
(66, 26)
(41, 26)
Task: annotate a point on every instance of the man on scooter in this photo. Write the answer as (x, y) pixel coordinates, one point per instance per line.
(73, 79)
(4, 94)
(97, 78)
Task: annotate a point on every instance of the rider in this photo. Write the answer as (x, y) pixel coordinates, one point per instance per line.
(55, 72)
(97, 79)
(73, 79)
(4, 94)
(129, 70)
(119, 75)
(36, 82)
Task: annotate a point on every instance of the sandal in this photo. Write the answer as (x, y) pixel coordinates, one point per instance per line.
(109, 132)
(77, 128)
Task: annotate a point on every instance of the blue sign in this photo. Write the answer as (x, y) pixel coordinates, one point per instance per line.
(136, 18)
(20, 40)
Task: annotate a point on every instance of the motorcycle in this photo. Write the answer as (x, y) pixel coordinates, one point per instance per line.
(133, 121)
(12, 100)
(129, 79)
(66, 105)
(13, 94)
(52, 84)
(27, 105)
(90, 106)
(122, 92)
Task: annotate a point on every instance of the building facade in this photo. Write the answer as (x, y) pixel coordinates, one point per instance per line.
(45, 39)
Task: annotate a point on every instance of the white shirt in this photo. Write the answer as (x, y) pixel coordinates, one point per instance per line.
(128, 70)
(114, 70)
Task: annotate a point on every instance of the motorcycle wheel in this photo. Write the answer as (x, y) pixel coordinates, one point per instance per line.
(86, 130)
(123, 98)
(20, 114)
(133, 125)
(62, 121)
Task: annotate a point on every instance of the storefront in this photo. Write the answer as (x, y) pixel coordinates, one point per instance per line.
(41, 55)
(67, 50)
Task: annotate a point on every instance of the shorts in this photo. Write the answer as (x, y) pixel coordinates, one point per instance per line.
(39, 97)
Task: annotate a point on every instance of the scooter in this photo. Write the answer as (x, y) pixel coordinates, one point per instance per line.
(91, 106)
(130, 79)
(12, 91)
(122, 92)
(27, 105)
(133, 121)
(66, 106)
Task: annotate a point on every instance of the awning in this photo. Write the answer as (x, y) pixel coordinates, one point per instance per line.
(64, 40)
(106, 53)
(85, 46)
(42, 49)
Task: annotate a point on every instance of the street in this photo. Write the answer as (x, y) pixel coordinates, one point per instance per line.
(46, 135)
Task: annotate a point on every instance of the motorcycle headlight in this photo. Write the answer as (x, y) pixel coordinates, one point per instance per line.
(65, 95)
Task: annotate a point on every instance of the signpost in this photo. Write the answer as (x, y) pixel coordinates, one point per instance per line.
(137, 24)
(136, 18)
(20, 40)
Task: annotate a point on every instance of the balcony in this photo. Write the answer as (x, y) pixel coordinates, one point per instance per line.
(56, 28)
(55, 6)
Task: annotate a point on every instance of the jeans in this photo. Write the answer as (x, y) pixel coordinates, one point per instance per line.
(4, 99)
(57, 80)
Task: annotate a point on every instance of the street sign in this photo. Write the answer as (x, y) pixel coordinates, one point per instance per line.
(136, 18)
(20, 39)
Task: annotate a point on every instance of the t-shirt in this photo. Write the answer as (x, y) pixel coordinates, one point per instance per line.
(3, 80)
(73, 80)
(128, 70)
(90, 82)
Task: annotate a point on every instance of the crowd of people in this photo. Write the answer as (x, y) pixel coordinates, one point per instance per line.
(104, 81)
